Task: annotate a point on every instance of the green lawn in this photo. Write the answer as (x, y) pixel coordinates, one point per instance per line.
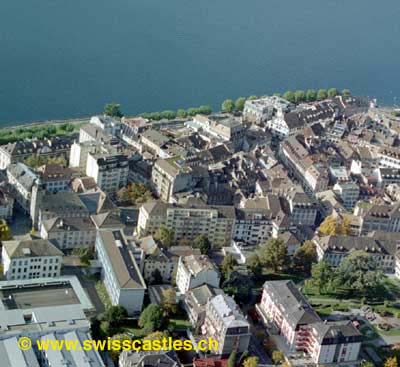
(103, 295)
(180, 324)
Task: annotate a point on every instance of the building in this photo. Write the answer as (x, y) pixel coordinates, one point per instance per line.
(223, 127)
(148, 359)
(46, 148)
(285, 308)
(253, 223)
(6, 203)
(348, 192)
(31, 259)
(382, 249)
(69, 233)
(295, 156)
(107, 123)
(109, 171)
(43, 309)
(302, 210)
(22, 180)
(381, 217)
(156, 259)
(188, 220)
(170, 176)
(60, 204)
(264, 109)
(195, 303)
(225, 323)
(55, 177)
(121, 275)
(194, 271)
(63, 357)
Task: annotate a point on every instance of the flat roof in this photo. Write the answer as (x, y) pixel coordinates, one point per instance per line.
(33, 297)
(43, 292)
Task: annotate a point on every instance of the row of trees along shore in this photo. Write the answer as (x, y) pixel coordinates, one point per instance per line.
(230, 105)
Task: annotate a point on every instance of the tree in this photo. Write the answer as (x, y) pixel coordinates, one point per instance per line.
(228, 264)
(277, 356)
(333, 92)
(332, 226)
(239, 103)
(205, 110)
(115, 315)
(134, 194)
(203, 243)
(367, 364)
(254, 264)
(232, 359)
(304, 257)
(358, 272)
(192, 111)
(181, 113)
(252, 98)
(156, 277)
(391, 362)
(151, 318)
(113, 110)
(168, 302)
(289, 96)
(345, 93)
(273, 254)
(169, 115)
(227, 105)
(157, 335)
(114, 352)
(238, 285)
(321, 276)
(322, 94)
(250, 362)
(165, 236)
(5, 232)
(311, 95)
(299, 96)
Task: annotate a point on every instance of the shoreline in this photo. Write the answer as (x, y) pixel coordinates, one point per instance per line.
(17, 125)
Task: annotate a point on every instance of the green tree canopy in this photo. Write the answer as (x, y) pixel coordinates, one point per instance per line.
(181, 113)
(304, 257)
(322, 94)
(134, 194)
(311, 95)
(321, 276)
(113, 110)
(228, 264)
(239, 103)
(358, 272)
(254, 264)
(203, 243)
(232, 359)
(151, 318)
(289, 96)
(168, 302)
(115, 315)
(165, 236)
(169, 115)
(273, 254)
(332, 92)
(228, 105)
(299, 96)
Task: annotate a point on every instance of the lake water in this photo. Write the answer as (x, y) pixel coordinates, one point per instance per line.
(67, 58)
